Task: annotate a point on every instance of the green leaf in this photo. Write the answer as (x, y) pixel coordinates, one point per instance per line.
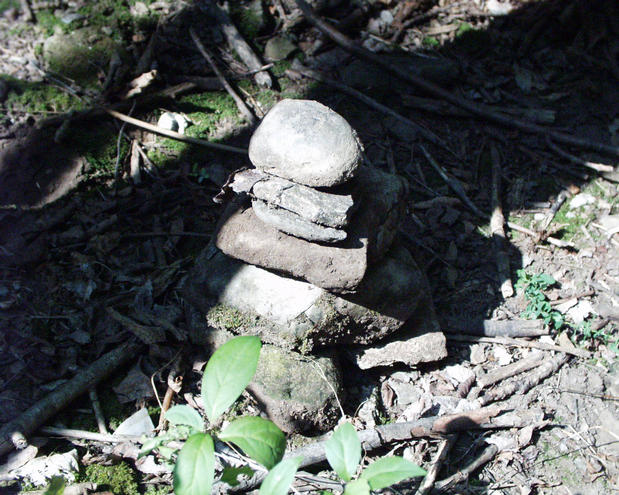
(259, 438)
(185, 415)
(228, 372)
(230, 474)
(280, 477)
(343, 451)
(195, 466)
(56, 486)
(357, 487)
(390, 470)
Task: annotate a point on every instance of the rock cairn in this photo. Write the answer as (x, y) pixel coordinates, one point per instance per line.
(306, 255)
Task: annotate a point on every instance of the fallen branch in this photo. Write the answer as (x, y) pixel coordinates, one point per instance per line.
(497, 226)
(522, 385)
(428, 481)
(88, 435)
(435, 90)
(240, 104)
(498, 328)
(14, 433)
(396, 432)
(598, 167)
(463, 474)
(521, 343)
(240, 46)
(539, 237)
(510, 370)
(172, 134)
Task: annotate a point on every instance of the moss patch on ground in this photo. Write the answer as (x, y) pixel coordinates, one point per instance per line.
(120, 479)
(38, 97)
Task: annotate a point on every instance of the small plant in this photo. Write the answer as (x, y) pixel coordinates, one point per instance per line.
(343, 451)
(226, 375)
(534, 285)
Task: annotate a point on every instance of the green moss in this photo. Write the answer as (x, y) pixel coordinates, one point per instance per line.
(430, 42)
(98, 145)
(248, 18)
(9, 4)
(120, 479)
(228, 318)
(39, 97)
(49, 23)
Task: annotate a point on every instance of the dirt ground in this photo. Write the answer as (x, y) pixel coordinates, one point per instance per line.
(100, 220)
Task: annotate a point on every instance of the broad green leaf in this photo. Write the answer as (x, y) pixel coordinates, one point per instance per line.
(195, 466)
(185, 415)
(227, 373)
(230, 474)
(343, 451)
(280, 477)
(259, 438)
(357, 487)
(56, 486)
(390, 470)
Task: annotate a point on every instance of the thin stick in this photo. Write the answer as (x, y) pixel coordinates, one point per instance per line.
(433, 89)
(598, 167)
(510, 370)
(520, 343)
(437, 463)
(172, 134)
(240, 104)
(118, 142)
(538, 236)
(497, 225)
(96, 408)
(426, 133)
(463, 474)
(56, 400)
(88, 435)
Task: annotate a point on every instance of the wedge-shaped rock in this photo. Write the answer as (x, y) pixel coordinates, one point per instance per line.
(305, 142)
(293, 224)
(330, 210)
(293, 314)
(337, 268)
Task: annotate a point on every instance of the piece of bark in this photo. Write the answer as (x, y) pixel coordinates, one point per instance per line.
(508, 341)
(510, 370)
(240, 46)
(437, 463)
(56, 400)
(498, 328)
(331, 210)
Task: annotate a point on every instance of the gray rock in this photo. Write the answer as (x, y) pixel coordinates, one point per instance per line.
(298, 392)
(305, 142)
(331, 210)
(293, 314)
(278, 48)
(340, 268)
(295, 391)
(293, 224)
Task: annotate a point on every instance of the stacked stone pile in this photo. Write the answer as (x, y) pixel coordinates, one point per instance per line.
(306, 256)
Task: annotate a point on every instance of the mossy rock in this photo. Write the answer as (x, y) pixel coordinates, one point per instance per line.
(79, 55)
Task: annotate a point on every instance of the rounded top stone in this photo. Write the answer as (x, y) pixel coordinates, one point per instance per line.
(305, 142)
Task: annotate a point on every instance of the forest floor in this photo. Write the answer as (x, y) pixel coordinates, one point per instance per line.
(100, 219)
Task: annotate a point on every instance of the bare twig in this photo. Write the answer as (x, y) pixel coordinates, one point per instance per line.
(96, 407)
(56, 400)
(497, 225)
(539, 237)
(522, 385)
(510, 370)
(463, 474)
(251, 119)
(498, 328)
(435, 90)
(521, 343)
(240, 46)
(88, 435)
(598, 167)
(172, 134)
(428, 482)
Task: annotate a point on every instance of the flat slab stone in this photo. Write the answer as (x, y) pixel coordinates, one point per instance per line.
(337, 268)
(330, 210)
(293, 314)
(293, 224)
(306, 142)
